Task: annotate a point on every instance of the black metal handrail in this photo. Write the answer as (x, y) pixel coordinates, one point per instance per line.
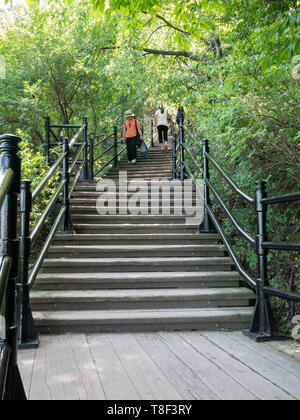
(230, 216)
(113, 147)
(249, 279)
(28, 337)
(229, 180)
(180, 148)
(6, 354)
(4, 275)
(7, 178)
(62, 127)
(262, 327)
(11, 387)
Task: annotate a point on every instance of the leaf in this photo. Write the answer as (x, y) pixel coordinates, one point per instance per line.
(266, 64)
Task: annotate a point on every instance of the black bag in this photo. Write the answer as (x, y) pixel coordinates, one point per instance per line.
(138, 140)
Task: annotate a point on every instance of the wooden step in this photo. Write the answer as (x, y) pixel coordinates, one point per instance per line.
(75, 300)
(136, 239)
(153, 209)
(148, 182)
(142, 320)
(140, 176)
(124, 251)
(129, 219)
(138, 280)
(91, 198)
(135, 228)
(141, 169)
(90, 265)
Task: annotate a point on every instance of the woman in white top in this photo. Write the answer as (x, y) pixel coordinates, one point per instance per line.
(162, 118)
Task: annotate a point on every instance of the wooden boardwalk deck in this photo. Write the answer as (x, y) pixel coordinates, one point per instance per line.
(160, 366)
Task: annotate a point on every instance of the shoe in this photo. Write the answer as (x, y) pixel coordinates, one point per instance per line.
(133, 161)
(129, 161)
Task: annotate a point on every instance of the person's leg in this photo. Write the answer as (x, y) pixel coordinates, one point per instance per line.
(160, 136)
(133, 149)
(165, 132)
(128, 150)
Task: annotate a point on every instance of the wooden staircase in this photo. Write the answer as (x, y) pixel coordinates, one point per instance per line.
(137, 273)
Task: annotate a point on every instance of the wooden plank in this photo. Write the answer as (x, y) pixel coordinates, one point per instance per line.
(26, 359)
(41, 389)
(56, 375)
(115, 381)
(263, 349)
(187, 383)
(68, 376)
(221, 384)
(274, 373)
(252, 381)
(86, 368)
(77, 384)
(147, 378)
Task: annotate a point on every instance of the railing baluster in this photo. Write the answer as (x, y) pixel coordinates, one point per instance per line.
(262, 326)
(9, 158)
(47, 126)
(152, 133)
(181, 138)
(207, 225)
(174, 157)
(91, 158)
(85, 170)
(116, 161)
(66, 225)
(28, 337)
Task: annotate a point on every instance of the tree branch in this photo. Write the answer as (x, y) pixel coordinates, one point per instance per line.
(191, 56)
(172, 26)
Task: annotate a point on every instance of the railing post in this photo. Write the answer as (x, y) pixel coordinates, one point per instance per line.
(9, 158)
(66, 225)
(262, 326)
(116, 161)
(28, 337)
(85, 169)
(47, 126)
(174, 157)
(182, 157)
(91, 158)
(207, 225)
(152, 133)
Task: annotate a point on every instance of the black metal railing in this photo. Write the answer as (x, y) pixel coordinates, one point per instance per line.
(75, 162)
(65, 171)
(179, 168)
(107, 151)
(11, 387)
(262, 327)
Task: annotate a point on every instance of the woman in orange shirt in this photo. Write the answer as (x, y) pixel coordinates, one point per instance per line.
(131, 129)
